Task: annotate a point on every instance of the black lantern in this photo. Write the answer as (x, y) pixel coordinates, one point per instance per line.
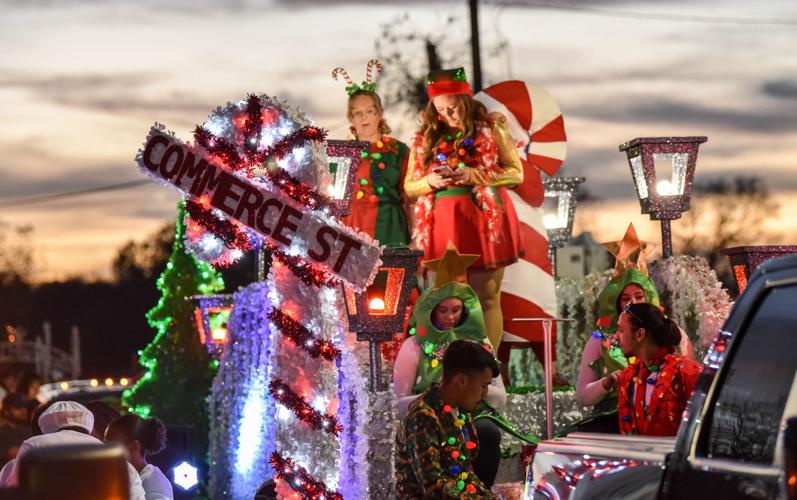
(211, 314)
(663, 169)
(559, 209)
(745, 260)
(378, 312)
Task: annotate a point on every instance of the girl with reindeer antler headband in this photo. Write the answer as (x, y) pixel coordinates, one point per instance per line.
(377, 206)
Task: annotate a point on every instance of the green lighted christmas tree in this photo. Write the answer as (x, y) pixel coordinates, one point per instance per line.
(179, 369)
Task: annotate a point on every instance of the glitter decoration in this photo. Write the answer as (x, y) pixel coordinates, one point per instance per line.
(344, 159)
(242, 413)
(746, 259)
(664, 200)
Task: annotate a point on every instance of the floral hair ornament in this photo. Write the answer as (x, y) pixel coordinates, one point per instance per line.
(369, 85)
(447, 82)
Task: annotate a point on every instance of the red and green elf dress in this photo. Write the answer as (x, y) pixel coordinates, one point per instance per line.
(479, 218)
(376, 205)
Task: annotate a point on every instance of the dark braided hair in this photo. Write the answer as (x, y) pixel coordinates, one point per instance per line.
(661, 329)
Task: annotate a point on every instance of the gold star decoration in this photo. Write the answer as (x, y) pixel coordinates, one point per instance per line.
(630, 252)
(452, 266)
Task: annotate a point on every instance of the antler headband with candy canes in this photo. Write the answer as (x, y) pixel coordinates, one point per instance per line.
(367, 86)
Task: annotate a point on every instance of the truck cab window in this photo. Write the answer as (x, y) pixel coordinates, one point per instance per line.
(744, 422)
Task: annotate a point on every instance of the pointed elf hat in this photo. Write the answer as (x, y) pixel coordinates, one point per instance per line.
(447, 82)
(368, 85)
(630, 268)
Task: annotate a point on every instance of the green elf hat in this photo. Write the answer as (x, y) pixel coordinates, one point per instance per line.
(447, 82)
(367, 86)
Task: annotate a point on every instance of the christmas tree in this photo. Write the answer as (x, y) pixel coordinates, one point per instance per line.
(179, 370)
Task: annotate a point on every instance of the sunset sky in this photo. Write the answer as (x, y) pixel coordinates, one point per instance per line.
(81, 81)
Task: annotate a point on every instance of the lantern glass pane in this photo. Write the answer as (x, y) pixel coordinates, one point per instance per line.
(555, 207)
(671, 169)
(387, 287)
(639, 177)
(339, 169)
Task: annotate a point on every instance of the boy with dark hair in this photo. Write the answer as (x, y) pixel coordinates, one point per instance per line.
(436, 442)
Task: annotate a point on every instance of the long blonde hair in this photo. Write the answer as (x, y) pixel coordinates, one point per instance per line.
(434, 129)
(384, 128)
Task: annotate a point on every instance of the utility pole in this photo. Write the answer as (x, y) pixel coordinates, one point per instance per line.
(474, 45)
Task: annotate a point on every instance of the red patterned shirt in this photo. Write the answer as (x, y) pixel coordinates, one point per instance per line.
(652, 398)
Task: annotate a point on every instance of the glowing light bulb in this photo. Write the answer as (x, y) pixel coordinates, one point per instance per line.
(665, 188)
(108, 382)
(64, 386)
(185, 476)
(94, 382)
(219, 335)
(123, 381)
(550, 221)
(376, 304)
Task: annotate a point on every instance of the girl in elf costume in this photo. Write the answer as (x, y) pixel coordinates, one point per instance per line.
(448, 311)
(654, 389)
(378, 198)
(602, 360)
(378, 201)
(461, 164)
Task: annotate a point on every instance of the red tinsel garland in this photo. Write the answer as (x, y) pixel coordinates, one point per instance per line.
(300, 480)
(306, 272)
(225, 230)
(302, 337)
(282, 392)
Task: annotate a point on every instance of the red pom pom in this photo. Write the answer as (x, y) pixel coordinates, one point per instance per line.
(447, 408)
(471, 488)
(604, 321)
(455, 454)
(470, 445)
(461, 152)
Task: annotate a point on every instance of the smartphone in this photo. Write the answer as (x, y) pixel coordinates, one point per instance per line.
(443, 170)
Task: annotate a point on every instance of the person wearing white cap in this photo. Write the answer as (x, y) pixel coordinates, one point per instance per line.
(65, 423)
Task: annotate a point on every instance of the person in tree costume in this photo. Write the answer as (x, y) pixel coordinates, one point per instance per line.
(653, 389)
(378, 202)
(444, 313)
(602, 359)
(461, 165)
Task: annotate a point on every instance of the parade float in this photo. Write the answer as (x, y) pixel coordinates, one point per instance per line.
(299, 399)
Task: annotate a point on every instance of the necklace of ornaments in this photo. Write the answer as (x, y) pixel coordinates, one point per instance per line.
(460, 450)
(387, 143)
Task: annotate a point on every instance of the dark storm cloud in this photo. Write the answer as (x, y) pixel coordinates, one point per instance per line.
(688, 114)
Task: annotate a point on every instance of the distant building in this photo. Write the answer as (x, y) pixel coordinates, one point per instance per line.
(581, 257)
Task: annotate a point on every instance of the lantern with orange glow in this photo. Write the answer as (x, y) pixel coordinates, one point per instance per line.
(745, 260)
(378, 312)
(211, 314)
(344, 160)
(663, 169)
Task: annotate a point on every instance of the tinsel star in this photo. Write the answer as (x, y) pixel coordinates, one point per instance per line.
(629, 252)
(452, 266)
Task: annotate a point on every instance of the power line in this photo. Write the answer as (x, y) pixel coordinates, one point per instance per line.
(32, 200)
(652, 15)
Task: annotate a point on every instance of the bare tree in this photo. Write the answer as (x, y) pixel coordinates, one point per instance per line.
(725, 213)
(17, 257)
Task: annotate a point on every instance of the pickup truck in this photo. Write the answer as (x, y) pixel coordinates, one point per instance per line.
(730, 443)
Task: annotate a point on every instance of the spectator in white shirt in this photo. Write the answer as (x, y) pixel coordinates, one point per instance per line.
(142, 438)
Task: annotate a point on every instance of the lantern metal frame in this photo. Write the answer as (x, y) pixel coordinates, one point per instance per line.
(642, 154)
(745, 260)
(564, 190)
(205, 306)
(346, 154)
(400, 263)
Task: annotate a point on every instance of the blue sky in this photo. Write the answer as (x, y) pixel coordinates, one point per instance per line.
(82, 81)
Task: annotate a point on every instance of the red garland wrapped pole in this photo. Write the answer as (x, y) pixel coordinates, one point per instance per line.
(285, 396)
(300, 480)
(302, 337)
